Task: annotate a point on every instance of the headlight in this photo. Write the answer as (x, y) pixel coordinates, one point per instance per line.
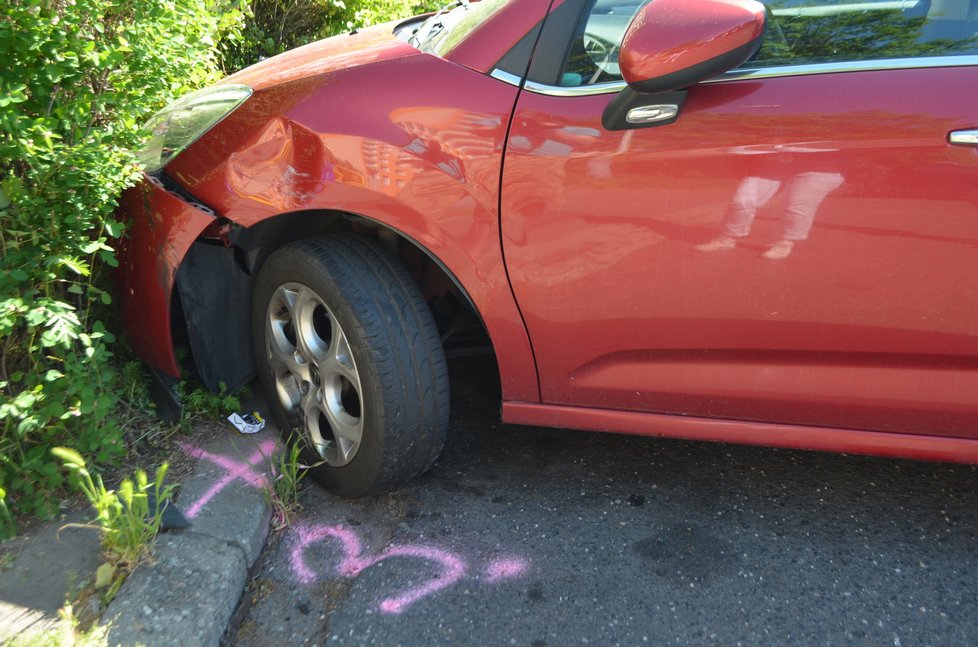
(185, 120)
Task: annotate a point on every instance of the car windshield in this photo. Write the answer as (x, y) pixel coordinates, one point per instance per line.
(440, 33)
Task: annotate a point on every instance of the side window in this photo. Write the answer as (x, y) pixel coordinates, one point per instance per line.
(823, 31)
(799, 32)
(593, 56)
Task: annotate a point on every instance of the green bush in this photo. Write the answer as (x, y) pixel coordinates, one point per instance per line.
(271, 27)
(77, 80)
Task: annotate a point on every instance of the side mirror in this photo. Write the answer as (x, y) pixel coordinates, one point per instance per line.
(673, 44)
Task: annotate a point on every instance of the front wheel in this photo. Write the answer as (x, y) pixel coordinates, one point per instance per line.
(351, 362)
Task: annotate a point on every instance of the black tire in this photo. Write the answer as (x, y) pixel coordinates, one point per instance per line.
(382, 373)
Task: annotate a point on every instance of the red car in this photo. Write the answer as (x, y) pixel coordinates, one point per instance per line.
(712, 219)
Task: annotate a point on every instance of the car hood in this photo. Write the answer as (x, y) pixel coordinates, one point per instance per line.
(339, 52)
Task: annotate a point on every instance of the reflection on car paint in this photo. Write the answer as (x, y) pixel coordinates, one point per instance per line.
(804, 194)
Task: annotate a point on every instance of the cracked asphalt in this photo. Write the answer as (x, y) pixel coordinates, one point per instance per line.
(525, 536)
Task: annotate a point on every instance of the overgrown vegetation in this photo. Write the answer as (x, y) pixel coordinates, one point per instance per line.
(78, 79)
(7, 528)
(199, 402)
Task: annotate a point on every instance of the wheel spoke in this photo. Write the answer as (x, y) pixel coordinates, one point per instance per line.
(281, 317)
(279, 350)
(291, 370)
(346, 448)
(312, 347)
(343, 424)
(286, 297)
(341, 390)
(339, 359)
(347, 432)
(312, 414)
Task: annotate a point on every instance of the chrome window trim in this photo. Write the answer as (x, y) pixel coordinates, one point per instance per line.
(575, 91)
(756, 73)
(909, 63)
(506, 77)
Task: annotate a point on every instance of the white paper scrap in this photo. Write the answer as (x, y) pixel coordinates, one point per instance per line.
(247, 423)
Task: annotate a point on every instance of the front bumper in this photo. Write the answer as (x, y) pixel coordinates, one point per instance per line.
(162, 227)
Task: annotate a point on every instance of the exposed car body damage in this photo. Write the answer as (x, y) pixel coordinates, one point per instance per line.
(429, 173)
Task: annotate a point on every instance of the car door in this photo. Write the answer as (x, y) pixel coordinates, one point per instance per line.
(799, 246)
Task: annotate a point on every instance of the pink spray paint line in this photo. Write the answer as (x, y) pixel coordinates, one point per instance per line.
(305, 536)
(354, 562)
(234, 470)
(506, 568)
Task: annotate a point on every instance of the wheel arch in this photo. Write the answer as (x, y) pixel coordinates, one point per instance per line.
(214, 284)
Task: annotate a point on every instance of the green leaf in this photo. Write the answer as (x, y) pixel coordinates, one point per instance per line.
(68, 456)
(76, 265)
(112, 227)
(104, 575)
(53, 73)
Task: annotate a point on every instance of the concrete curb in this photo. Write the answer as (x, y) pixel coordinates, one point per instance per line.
(187, 597)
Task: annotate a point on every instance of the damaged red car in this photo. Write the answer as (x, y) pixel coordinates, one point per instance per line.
(724, 220)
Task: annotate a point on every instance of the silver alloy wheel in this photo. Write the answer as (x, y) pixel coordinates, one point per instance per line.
(314, 371)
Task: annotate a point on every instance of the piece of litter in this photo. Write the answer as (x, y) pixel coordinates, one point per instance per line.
(247, 423)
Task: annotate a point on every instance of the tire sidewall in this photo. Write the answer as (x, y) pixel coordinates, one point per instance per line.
(357, 477)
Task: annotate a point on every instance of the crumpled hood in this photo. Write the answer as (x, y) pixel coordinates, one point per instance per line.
(339, 52)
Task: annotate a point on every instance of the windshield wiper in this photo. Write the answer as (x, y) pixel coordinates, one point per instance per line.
(433, 25)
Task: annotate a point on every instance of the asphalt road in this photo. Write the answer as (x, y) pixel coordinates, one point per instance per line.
(524, 536)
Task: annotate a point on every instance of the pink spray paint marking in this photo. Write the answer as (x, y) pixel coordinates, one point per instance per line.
(452, 570)
(305, 536)
(233, 470)
(504, 569)
(354, 562)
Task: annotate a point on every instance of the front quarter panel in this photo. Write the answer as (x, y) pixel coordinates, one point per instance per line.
(412, 142)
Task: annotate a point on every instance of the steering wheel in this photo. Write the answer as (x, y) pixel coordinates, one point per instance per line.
(603, 54)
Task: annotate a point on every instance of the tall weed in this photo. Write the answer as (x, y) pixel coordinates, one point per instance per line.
(129, 518)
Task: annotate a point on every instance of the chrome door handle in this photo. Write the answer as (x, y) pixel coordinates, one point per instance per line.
(652, 114)
(963, 137)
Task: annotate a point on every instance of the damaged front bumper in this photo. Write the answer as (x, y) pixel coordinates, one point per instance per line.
(161, 228)
(178, 272)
